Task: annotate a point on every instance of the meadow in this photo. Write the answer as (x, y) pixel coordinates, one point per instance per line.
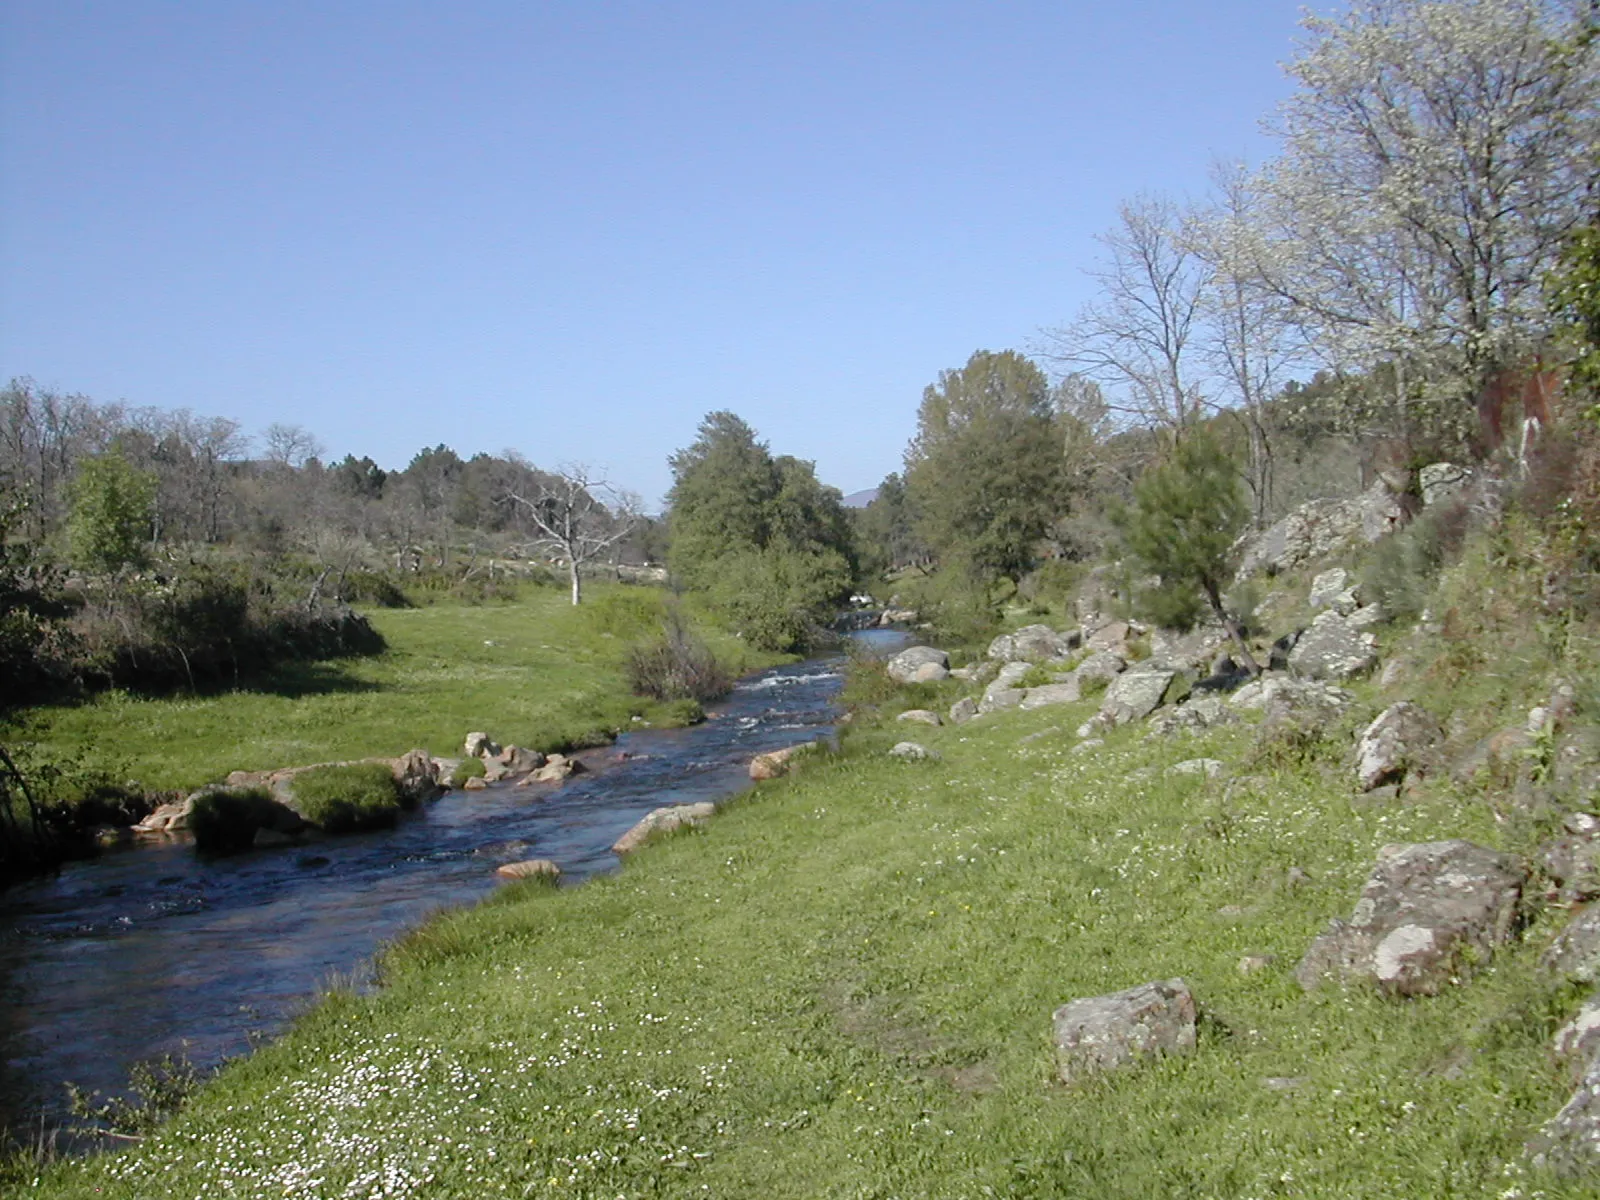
(532, 670)
(842, 987)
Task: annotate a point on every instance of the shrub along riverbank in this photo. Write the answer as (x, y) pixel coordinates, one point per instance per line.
(843, 987)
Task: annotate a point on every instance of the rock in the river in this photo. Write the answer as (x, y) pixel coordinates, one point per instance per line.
(1402, 741)
(661, 821)
(1427, 909)
(532, 868)
(417, 777)
(906, 666)
(1103, 1033)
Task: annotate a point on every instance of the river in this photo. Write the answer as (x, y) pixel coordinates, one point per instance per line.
(154, 950)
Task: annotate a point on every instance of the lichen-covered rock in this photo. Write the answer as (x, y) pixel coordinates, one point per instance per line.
(1033, 643)
(1576, 1042)
(1328, 587)
(1102, 666)
(1135, 694)
(1192, 716)
(1441, 481)
(911, 752)
(903, 667)
(920, 716)
(1102, 1033)
(998, 698)
(1111, 637)
(1425, 909)
(1402, 741)
(1573, 860)
(1051, 693)
(1569, 1143)
(774, 762)
(480, 745)
(929, 672)
(661, 821)
(963, 710)
(1208, 768)
(1184, 651)
(1333, 649)
(1575, 953)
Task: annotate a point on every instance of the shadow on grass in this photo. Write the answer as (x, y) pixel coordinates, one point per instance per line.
(296, 680)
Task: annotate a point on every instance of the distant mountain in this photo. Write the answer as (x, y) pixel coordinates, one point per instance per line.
(861, 499)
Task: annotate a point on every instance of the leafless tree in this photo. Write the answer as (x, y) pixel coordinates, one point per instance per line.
(290, 445)
(1134, 339)
(570, 520)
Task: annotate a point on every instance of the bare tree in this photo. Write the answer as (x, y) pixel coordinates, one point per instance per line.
(1247, 336)
(290, 445)
(1135, 338)
(571, 521)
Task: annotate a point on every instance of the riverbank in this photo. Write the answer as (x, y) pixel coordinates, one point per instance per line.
(533, 671)
(843, 986)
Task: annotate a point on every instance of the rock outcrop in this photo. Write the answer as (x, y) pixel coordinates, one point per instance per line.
(1102, 1033)
(1424, 910)
(1135, 694)
(1333, 648)
(1033, 643)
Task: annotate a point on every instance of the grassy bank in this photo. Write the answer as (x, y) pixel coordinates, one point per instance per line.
(533, 671)
(843, 987)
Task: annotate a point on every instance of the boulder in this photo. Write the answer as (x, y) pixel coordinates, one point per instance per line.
(1101, 666)
(1112, 636)
(1575, 953)
(518, 761)
(1135, 694)
(1328, 587)
(1185, 651)
(417, 777)
(1427, 909)
(1103, 1033)
(911, 752)
(1050, 693)
(929, 673)
(903, 667)
(172, 817)
(661, 821)
(963, 710)
(898, 616)
(1032, 643)
(557, 769)
(997, 698)
(1382, 512)
(1573, 860)
(480, 745)
(1333, 649)
(920, 716)
(1403, 741)
(1314, 530)
(477, 783)
(1569, 1143)
(1577, 1042)
(1192, 716)
(1088, 746)
(774, 762)
(532, 868)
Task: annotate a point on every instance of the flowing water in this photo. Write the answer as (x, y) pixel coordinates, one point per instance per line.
(153, 951)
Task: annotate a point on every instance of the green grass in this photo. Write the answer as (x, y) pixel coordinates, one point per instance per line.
(535, 672)
(348, 797)
(225, 820)
(843, 988)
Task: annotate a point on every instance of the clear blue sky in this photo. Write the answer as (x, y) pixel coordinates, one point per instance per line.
(575, 228)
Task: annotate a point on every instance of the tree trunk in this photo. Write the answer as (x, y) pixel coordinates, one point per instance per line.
(1246, 659)
(577, 586)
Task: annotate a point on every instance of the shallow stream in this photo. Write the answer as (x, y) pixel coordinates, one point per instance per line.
(153, 950)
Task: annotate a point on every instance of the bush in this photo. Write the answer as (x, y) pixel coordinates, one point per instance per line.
(779, 599)
(676, 665)
(1402, 569)
(960, 604)
(348, 797)
(225, 820)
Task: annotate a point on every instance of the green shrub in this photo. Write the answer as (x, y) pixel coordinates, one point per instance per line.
(679, 714)
(779, 599)
(225, 820)
(348, 797)
(467, 768)
(1402, 569)
(675, 665)
(626, 613)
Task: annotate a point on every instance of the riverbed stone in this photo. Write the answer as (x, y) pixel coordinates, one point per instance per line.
(660, 822)
(530, 868)
(1102, 1033)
